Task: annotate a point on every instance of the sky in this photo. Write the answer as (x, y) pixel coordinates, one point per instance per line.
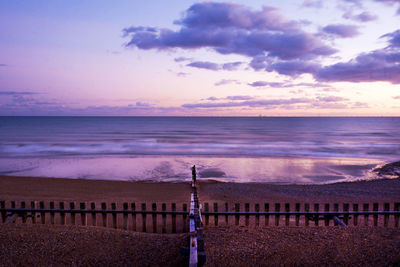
(200, 58)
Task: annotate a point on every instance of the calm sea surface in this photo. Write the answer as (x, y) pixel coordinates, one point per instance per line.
(278, 150)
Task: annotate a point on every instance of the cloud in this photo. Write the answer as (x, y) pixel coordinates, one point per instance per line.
(3, 65)
(233, 29)
(362, 17)
(396, 97)
(181, 59)
(248, 103)
(233, 98)
(259, 84)
(225, 81)
(341, 30)
(204, 65)
(313, 3)
(287, 85)
(378, 65)
(214, 66)
(14, 93)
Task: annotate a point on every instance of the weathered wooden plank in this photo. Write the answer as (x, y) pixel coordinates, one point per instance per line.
(297, 216)
(306, 209)
(62, 214)
(3, 212)
(335, 209)
(277, 208)
(386, 207)
(33, 213)
(82, 207)
(114, 215)
(154, 217)
(316, 218)
(52, 213)
(173, 208)
(396, 217)
(326, 217)
(237, 217)
(72, 207)
(193, 260)
(42, 213)
(144, 218)
(207, 217)
(94, 217)
(287, 217)
(24, 215)
(375, 208)
(125, 206)
(133, 209)
(355, 216)
(164, 218)
(366, 208)
(346, 211)
(104, 214)
(257, 209)
(216, 216)
(338, 221)
(184, 218)
(247, 210)
(11, 219)
(226, 216)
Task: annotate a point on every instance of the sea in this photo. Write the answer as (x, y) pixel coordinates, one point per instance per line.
(279, 150)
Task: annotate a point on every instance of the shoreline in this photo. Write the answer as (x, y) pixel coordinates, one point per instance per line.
(39, 188)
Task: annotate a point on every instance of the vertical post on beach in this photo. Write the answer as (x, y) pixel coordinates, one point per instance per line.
(396, 216)
(194, 177)
(114, 215)
(266, 218)
(33, 213)
(173, 207)
(375, 208)
(133, 209)
(277, 209)
(144, 218)
(52, 214)
(336, 210)
(72, 207)
(226, 216)
(206, 209)
(94, 217)
(355, 216)
(3, 212)
(326, 217)
(306, 209)
(42, 213)
(184, 217)
(62, 214)
(365, 208)
(82, 207)
(316, 210)
(247, 210)
(104, 213)
(346, 213)
(216, 216)
(287, 217)
(154, 216)
(257, 209)
(386, 207)
(164, 218)
(237, 216)
(125, 216)
(297, 215)
(24, 214)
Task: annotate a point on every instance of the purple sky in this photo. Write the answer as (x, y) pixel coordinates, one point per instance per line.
(237, 58)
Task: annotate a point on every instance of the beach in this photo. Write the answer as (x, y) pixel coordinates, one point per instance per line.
(224, 245)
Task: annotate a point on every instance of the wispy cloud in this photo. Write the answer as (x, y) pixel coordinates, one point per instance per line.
(226, 81)
(3, 65)
(341, 30)
(12, 93)
(214, 66)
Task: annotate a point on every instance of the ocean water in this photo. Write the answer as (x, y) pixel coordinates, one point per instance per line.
(258, 149)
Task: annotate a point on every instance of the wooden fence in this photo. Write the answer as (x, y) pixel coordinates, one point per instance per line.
(173, 220)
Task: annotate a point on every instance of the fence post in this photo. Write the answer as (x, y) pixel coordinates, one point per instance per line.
(173, 207)
(386, 207)
(125, 216)
(226, 216)
(297, 215)
(257, 209)
(62, 214)
(316, 209)
(277, 209)
(72, 207)
(396, 217)
(144, 218)
(94, 217)
(307, 218)
(326, 216)
(355, 217)
(164, 218)
(133, 209)
(336, 209)
(266, 209)
(346, 215)
(216, 216)
(154, 216)
(247, 209)
(184, 217)
(114, 215)
(287, 217)
(42, 213)
(366, 208)
(52, 214)
(24, 215)
(206, 209)
(237, 216)
(33, 213)
(3, 212)
(82, 207)
(376, 208)
(104, 213)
